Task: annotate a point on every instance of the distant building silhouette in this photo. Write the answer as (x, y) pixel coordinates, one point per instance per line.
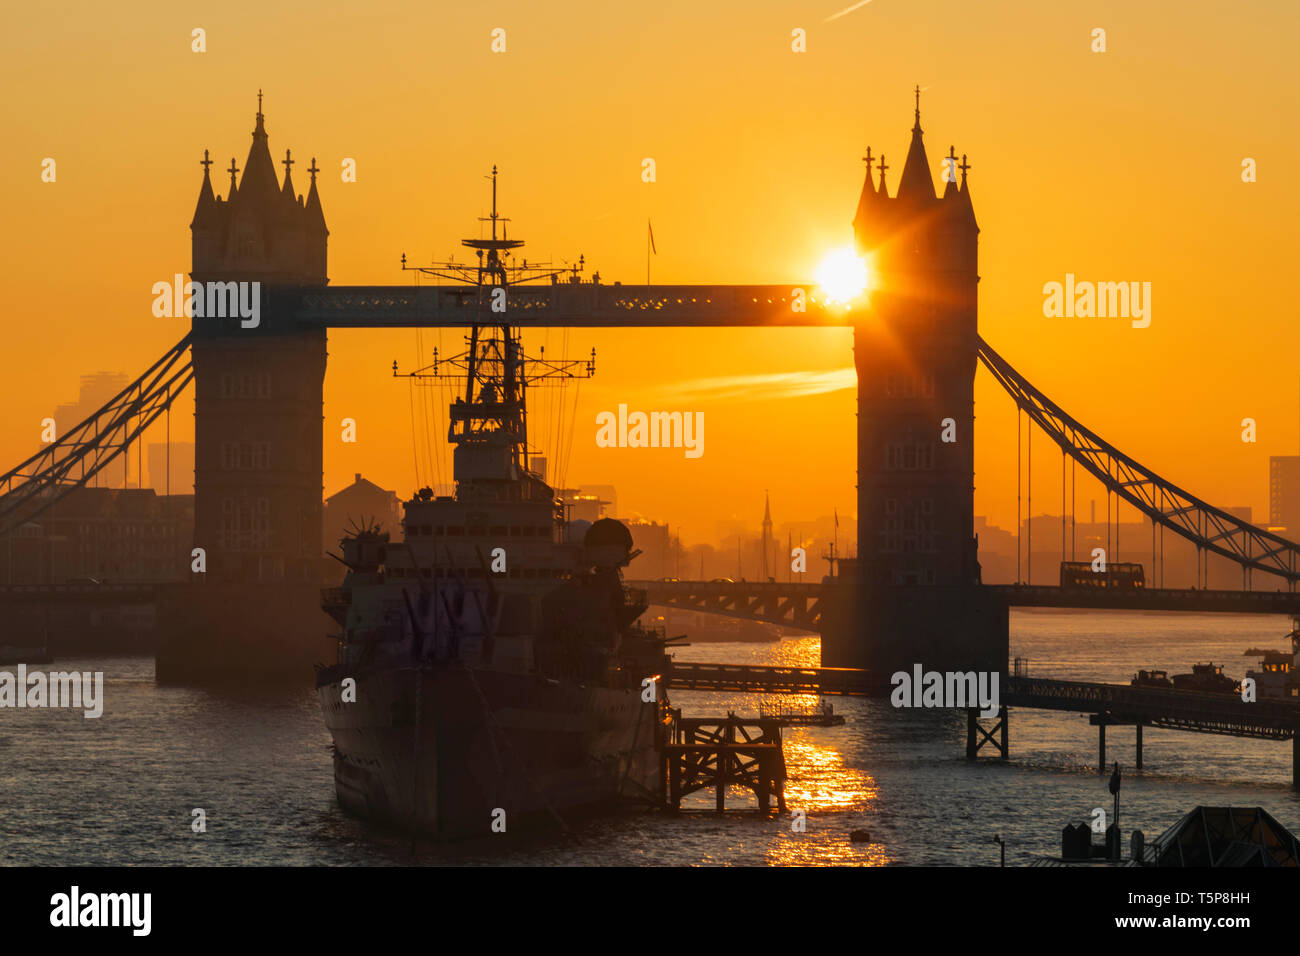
(766, 541)
(656, 546)
(120, 535)
(588, 503)
(358, 504)
(1284, 494)
(97, 390)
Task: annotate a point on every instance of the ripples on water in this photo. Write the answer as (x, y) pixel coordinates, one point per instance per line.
(119, 790)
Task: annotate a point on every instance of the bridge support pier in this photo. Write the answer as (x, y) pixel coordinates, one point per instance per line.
(1101, 721)
(977, 736)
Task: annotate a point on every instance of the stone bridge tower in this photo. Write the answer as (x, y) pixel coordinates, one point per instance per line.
(255, 612)
(916, 582)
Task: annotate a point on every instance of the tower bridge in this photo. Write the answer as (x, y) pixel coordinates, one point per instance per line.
(258, 430)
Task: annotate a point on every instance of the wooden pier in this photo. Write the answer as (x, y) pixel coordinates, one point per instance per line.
(821, 715)
(704, 753)
(841, 681)
(1107, 704)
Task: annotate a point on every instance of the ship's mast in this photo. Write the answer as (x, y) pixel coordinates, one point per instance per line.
(494, 368)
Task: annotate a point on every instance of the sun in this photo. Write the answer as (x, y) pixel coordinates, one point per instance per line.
(843, 275)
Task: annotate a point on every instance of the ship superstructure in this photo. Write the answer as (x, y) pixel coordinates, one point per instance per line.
(489, 668)
(1278, 676)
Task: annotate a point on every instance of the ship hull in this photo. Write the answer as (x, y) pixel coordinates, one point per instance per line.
(455, 752)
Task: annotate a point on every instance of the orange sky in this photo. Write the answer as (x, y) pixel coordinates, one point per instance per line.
(1116, 166)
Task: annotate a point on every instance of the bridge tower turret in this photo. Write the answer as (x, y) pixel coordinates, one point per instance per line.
(915, 353)
(258, 404)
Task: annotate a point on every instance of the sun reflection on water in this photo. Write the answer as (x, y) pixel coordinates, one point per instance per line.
(835, 797)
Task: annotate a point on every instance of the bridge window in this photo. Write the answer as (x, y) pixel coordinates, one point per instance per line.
(264, 385)
(499, 530)
(909, 456)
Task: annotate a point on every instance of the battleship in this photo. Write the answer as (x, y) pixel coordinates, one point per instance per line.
(490, 671)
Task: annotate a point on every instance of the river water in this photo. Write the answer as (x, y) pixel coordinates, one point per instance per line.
(121, 789)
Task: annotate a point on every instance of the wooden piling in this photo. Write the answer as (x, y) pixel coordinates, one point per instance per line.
(717, 752)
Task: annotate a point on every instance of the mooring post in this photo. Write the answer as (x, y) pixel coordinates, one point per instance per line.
(727, 735)
(675, 780)
(1295, 759)
(972, 723)
(1101, 743)
(1139, 745)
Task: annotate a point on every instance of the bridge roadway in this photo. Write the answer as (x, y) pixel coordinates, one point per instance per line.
(795, 604)
(1151, 599)
(562, 304)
